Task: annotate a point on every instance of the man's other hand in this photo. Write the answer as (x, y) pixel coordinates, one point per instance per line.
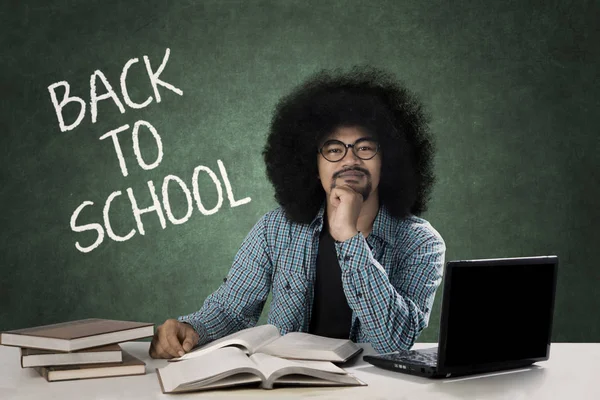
(173, 339)
(343, 219)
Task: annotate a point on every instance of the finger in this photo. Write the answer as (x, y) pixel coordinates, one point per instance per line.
(172, 345)
(334, 200)
(159, 352)
(191, 338)
(338, 197)
(152, 349)
(343, 191)
(348, 195)
(347, 190)
(186, 334)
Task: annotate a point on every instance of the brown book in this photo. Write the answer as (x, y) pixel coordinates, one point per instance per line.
(129, 366)
(77, 335)
(42, 358)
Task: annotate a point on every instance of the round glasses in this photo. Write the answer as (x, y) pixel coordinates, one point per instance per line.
(335, 150)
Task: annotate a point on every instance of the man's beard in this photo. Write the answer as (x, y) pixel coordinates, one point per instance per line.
(365, 190)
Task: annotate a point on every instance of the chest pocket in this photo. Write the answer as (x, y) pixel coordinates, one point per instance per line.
(289, 303)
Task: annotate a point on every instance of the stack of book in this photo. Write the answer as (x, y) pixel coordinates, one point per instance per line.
(80, 349)
(260, 356)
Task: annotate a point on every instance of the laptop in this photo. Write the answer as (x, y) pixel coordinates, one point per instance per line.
(496, 315)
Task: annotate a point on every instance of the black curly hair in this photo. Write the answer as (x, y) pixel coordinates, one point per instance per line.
(364, 97)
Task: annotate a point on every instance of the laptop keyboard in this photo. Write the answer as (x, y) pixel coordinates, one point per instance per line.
(414, 357)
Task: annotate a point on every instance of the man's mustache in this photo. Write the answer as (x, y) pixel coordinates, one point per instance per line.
(359, 169)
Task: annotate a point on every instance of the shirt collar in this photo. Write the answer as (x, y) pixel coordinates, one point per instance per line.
(383, 226)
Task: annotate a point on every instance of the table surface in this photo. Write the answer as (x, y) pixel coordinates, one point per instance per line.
(571, 373)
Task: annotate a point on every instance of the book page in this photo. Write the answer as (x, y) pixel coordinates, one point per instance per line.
(304, 380)
(268, 365)
(278, 370)
(241, 379)
(211, 367)
(248, 340)
(307, 346)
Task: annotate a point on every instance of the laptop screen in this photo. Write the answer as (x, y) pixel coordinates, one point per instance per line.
(498, 313)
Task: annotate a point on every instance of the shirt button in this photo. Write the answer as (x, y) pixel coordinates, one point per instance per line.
(348, 258)
(359, 294)
(287, 286)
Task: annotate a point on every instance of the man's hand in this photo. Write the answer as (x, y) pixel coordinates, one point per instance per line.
(346, 204)
(173, 339)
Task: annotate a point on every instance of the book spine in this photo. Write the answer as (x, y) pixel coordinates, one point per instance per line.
(162, 388)
(43, 372)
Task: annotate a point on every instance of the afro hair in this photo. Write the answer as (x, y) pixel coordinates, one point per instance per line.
(363, 97)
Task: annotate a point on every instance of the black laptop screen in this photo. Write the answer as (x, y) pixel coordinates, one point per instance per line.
(498, 313)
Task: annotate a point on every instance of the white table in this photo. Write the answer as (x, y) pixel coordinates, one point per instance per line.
(572, 373)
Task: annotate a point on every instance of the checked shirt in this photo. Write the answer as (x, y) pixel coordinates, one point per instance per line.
(389, 279)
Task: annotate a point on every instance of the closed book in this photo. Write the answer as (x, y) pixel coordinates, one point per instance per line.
(77, 335)
(129, 366)
(41, 358)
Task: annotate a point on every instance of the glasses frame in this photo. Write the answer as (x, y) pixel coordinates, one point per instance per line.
(347, 146)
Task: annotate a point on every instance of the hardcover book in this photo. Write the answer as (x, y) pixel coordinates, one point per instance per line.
(77, 335)
(42, 358)
(129, 366)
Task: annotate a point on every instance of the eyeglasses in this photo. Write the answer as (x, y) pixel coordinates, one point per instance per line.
(335, 150)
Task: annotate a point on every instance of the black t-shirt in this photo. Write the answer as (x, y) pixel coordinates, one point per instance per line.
(331, 314)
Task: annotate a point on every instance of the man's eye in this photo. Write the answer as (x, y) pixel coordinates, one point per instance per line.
(333, 150)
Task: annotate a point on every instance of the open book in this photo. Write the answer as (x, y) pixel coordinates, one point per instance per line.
(231, 366)
(266, 339)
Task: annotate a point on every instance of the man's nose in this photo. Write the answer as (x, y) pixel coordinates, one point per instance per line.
(350, 158)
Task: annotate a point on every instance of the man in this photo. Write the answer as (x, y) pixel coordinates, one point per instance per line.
(345, 255)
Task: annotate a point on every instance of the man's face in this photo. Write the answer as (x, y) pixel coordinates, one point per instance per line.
(360, 175)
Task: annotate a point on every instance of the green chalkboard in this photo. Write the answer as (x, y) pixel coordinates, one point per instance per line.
(512, 88)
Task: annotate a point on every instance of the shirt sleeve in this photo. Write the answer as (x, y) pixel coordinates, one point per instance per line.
(392, 310)
(238, 302)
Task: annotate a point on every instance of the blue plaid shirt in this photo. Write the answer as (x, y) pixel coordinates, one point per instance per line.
(389, 279)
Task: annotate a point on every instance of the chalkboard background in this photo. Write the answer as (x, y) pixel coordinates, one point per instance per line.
(512, 88)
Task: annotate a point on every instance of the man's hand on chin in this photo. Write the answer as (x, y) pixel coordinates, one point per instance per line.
(344, 211)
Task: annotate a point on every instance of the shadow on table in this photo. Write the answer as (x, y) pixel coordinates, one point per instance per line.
(511, 384)
(521, 381)
(371, 369)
